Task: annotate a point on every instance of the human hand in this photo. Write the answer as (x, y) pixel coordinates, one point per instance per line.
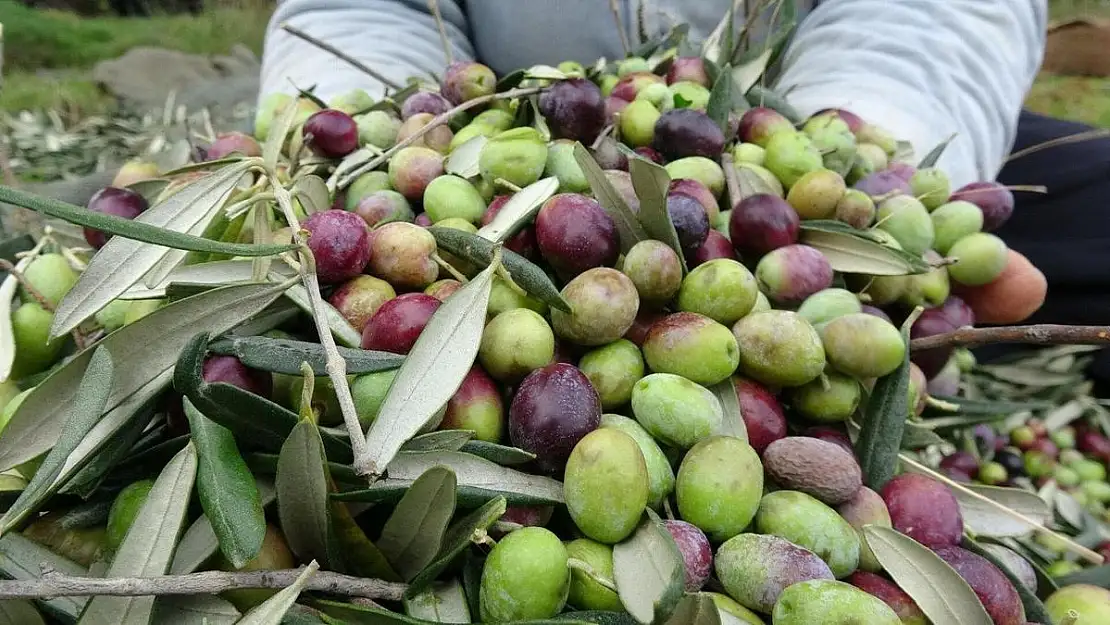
(1012, 298)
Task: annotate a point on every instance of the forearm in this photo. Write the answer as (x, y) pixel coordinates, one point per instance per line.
(923, 70)
(397, 38)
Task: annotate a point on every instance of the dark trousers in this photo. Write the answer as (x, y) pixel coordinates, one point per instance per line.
(1065, 232)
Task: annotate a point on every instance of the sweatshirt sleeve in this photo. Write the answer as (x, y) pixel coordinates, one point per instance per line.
(397, 38)
(923, 70)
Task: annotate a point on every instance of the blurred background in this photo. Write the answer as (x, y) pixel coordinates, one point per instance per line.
(88, 84)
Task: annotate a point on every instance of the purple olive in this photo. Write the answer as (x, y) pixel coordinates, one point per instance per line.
(334, 134)
(575, 109)
(553, 409)
(117, 202)
(340, 244)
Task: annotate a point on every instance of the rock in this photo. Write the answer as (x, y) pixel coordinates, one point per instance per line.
(145, 76)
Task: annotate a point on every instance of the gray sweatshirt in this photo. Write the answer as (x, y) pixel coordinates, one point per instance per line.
(923, 69)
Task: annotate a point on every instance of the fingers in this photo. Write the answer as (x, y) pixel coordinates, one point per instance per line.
(1011, 298)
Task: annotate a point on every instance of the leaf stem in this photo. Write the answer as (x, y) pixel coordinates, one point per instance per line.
(615, 9)
(442, 28)
(327, 47)
(54, 584)
(446, 266)
(26, 284)
(1041, 334)
(436, 122)
(334, 363)
(578, 565)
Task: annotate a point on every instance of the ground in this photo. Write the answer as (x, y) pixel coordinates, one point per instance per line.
(48, 55)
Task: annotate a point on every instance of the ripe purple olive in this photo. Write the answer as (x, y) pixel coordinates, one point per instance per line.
(758, 124)
(331, 133)
(575, 109)
(398, 323)
(117, 202)
(575, 234)
(996, 201)
(686, 132)
(691, 222)
(688, 69)
(424, 102)
(553, 409)
(229, 370)
(340, 243)
(761, 223)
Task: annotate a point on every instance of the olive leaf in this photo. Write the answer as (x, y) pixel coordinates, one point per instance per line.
(360, 557)
(279, 129)
(651, 182)
(286, 355)
(985, 518)
(1035, 611)
(451, 440)
(853, 251)
(598, 617)
(228, 494)
(479, 252)
(520, 209)
(696, 609)
(759, 95)
(194, 610)
(92, 395)
(477, 472)
(313, 194)
(199, 543)
(649, 571)
(720, 99)
(138, 230)
(935, 586)
(463, 161)
(148, 547)
(272, 611)
(433, 371)
(884, 420)
(458, 537)
(23, 559)
(122, 262)
(916, 436)
(341, 329)
(717, 47)
(628, 224)
(19, 612)
(733, 422)
(302, 495)
(990, 407)
(934, 155)
(413, 534)
(442, 602)
(501, 454)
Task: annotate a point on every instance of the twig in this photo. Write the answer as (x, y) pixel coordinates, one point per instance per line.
(327, 47)
(1043, 334)
(1078, 137)
(442, 28)
(436, 121)
(26, 284)
(620, 26)
(54, 584)
(336, 366)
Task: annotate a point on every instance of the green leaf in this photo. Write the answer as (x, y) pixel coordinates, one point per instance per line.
(433, 371)
(279, 130)
(302, 495)
(733, 422)
(194, 610)
(457, 539)
(651, 183)
(990, 407)
(884, 420)
(341, 329)
(649, 572)
(414, 532)
(479, 251)
(113, 444)
(199, 543)
(451, 440)
(853, 251)
(934, 155)
(37, 424)
(9, 248)
(1035, 611)
(442, 602)
(463, 161)
(210, 274)
(313, 194)
(19, 612)
(985, 519)
(598, 617)
(286, 355)
(359, 556)
(22, 559)
(748, 73)
(148, 547)
(228, 494)
(477, 472)
(935, 586)
(92, 395)
(758, 95)
(272, 611)
(915, 436)
(628, 224)
(696, 609)
(519, 210)
(500, 454)
(720, 99)
(1095, 575)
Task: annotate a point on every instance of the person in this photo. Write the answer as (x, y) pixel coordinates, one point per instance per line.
(922, 69)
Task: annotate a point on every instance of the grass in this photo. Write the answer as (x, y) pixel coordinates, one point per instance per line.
(48, 55)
